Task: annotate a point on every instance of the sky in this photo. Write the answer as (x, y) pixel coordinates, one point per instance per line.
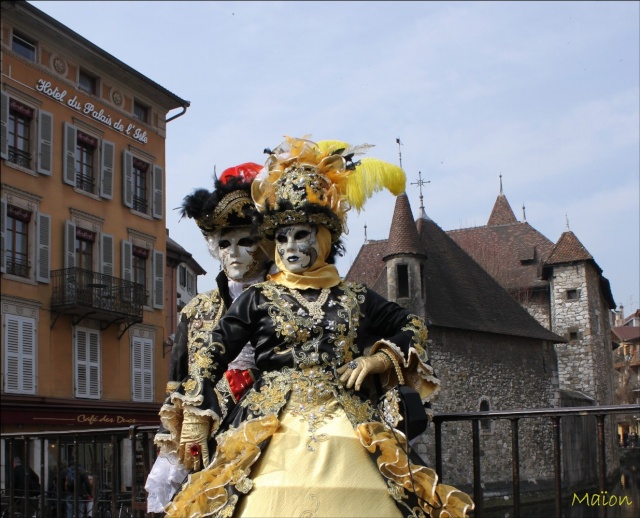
(546, 94)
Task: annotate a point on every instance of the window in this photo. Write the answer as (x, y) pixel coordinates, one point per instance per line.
(24, 46)
(19, 133)
(17, 241)
(140, 202)
(140, 112)
(87, 364)
(142, 369)
(27, 135)
(486, 425)
(143, 186)
(84, 248)
(140, 256)
(182, 276)
(25, 239)
(20, 339)
(87, 82)
(403, 280)
(87, 162)
(573, 335)
(191, 283)
(573, 294)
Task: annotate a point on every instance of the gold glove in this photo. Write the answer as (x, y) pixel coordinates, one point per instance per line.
(355, 371)
(193, 450)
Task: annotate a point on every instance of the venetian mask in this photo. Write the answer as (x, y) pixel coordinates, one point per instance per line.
(297, 246)
(240, 254)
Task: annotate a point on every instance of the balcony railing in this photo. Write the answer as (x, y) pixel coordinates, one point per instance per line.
(17, 266)
(22, 158)
(86, 293)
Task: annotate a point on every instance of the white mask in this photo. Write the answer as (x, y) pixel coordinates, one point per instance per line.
(297, 246)
(239, 253)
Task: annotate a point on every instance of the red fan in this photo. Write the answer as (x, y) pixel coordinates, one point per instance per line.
(247, 172)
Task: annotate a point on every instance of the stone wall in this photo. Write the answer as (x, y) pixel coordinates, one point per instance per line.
(509, 373)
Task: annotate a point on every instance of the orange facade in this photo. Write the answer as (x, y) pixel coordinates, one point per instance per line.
(84, 295)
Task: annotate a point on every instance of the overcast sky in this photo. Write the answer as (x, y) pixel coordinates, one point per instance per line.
(544, 93)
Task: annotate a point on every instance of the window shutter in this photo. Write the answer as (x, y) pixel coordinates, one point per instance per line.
(158, 279)
(127, 179)
(3, 227)
(87, 363)
(45, 143)
(20, 354)
(4, 126)
(69, 244)
(127, 260)
(69, 155)
(106, 177)
(158, 192)
(43, 247)
(106, 250)
(142, 369)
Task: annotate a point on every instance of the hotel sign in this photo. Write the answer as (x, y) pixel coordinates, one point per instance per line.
(89, 109)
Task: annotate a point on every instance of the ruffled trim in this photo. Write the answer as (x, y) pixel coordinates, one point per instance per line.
(416, 373)
(437, 500)
(171, 419)
(205, 493)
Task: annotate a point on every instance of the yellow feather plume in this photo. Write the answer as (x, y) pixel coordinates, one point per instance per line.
(373, 175)
(328, 147)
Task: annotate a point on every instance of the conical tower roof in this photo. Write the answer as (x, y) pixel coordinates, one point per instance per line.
(403, 235)
(568, 249)
(501, 213)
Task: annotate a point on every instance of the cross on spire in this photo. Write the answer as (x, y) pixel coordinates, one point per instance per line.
(500, 183)
(420, 183)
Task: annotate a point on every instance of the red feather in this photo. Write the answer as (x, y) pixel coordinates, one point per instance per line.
(247, 172)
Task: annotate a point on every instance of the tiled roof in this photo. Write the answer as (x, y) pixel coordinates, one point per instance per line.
(568, 249)
(501, 213)
(512, 254)
(403, 236)
(460, 294)
(627, 333)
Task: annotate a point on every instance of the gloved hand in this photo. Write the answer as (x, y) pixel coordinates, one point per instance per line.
(195, 432)
(355, 371)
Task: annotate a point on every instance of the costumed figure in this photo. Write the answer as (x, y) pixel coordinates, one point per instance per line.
(310, 438)
(225, 219)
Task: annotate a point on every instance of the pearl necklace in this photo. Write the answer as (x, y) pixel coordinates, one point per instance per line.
(313, 308)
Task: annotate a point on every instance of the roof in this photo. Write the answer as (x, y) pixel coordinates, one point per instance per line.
(177, 252)
(403, 236)
(459, 293)
(502, 214)
(568, 249)
(627, 333)
(512, 254)
(26, 12)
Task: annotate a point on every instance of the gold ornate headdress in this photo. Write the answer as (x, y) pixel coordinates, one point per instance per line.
(318, 183)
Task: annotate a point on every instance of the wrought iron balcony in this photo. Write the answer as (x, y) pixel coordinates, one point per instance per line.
(88, 294)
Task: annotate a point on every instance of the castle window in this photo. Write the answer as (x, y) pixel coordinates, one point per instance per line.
(573, 335)
(573, 294)
(402, 271)
(23, 46)
(486, 425)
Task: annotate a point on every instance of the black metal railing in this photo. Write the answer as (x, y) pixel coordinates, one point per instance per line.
(18, 267)
(555, 416)
(21, 158)
(76, 290)
(140, 204)
(85, 182)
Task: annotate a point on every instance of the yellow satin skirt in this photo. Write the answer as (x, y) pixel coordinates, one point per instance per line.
(316, 467)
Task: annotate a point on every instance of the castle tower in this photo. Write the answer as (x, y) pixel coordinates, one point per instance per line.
(404, 257)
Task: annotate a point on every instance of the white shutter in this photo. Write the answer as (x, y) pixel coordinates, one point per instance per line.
(69, 155)
(158, 279)
(142, 369)
(43, 247)
(106, 175)
(20, 354)
(127, 261)
(158, 192)
(4, 126)
(3, 228)
(87, 363)
(106, 253)
(127, 179)
(69, 244)
(45, 143)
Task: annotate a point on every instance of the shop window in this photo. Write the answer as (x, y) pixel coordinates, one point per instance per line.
(143, 186)
(26, 236)
(87, 162)
(140, 112)
(402, 271)
(24, 46)
(87, 82)
(20, 341)
(142, 369)
(87, 363)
